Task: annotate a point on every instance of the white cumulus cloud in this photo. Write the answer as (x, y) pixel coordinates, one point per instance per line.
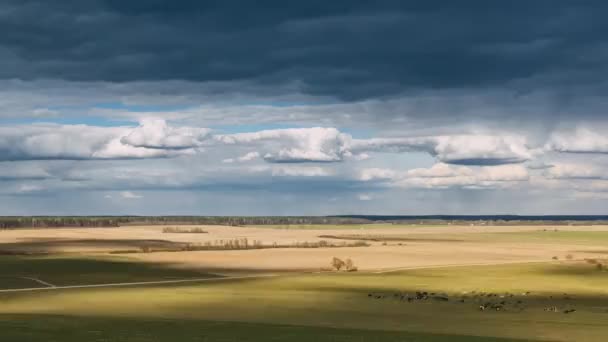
(156, 133)
(81, 142)
(455, 149)
(579, 140)
(443, 175)
(317, 144)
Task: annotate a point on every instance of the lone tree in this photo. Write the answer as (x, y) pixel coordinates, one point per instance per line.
(350, 265)
(337, 263)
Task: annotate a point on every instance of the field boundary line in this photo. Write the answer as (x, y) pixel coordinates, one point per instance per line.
(457, 265)
(39, 281)
(157, 282)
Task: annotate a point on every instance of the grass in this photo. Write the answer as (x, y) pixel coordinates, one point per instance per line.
(53, 328)
(10, 282)
(594, 238)
(65, 270)
(323, 301)
(552, 236)
(363, 226)
(334, 226)
(385, 238)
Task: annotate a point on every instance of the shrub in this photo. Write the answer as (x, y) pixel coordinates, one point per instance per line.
(569, 257)
(239, 244)
(360, 244)
(555, 258)
(591, 261)
(326, 244)
(337, 263)
(125, 251)
(599, 267)
(175, 230)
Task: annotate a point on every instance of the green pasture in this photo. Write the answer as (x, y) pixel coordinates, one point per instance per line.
(324, 307)
(549, 236)
(56, 328)
(82, 270)
(367, 226)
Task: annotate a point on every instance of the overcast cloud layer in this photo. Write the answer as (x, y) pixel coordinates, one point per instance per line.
(311, 108)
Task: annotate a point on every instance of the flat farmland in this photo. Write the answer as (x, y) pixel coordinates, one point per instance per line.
(389, 248)
(447, 283)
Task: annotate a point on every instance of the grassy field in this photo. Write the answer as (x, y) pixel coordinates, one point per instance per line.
(17, 282)
(412, 225)
(253, 307)
(52, 328)
(343, 226)
(70, 270)
(551, 236)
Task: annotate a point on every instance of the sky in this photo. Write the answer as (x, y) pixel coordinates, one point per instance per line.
(155, 107)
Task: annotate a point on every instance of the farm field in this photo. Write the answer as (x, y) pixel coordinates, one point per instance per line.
(412, 284)
(53, 328)
(82, 270)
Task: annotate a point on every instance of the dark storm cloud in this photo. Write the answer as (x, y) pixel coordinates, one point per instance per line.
(348, 49)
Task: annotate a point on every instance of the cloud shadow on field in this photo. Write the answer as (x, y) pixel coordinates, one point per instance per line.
(55, 245)
(66, 271)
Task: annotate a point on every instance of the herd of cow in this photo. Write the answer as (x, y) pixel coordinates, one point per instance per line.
(485, 301)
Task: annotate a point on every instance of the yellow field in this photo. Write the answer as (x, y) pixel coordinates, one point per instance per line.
(391, 248)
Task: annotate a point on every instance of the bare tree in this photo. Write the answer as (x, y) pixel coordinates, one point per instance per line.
(350, 265)
(337, 263)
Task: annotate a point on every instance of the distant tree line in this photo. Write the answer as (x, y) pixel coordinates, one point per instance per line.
(9, 222)
(58, 221)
